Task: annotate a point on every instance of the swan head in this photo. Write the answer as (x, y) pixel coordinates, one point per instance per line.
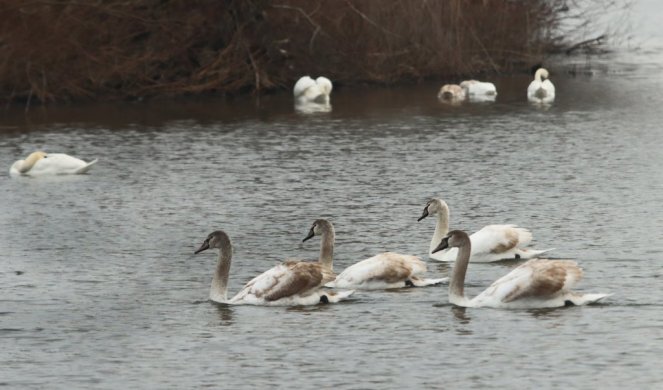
(319, 227)
(541, 74)
(215, 240)
(32, 159)
(434, 206)
(325, 84)
(454, 239)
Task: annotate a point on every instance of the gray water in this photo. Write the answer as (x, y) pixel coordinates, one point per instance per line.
(100, 287)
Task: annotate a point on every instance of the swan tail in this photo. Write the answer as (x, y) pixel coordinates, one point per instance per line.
(420, 282)
(337, 296)
(532, 253)
(587, 299)
(86, 167)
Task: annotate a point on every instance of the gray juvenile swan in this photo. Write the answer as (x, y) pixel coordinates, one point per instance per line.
(382, 271)
(292, 283)
(537, 283)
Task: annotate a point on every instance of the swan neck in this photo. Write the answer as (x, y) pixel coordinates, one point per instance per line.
(456, 286)
(327, 248)
(219, 288)
(441, 229)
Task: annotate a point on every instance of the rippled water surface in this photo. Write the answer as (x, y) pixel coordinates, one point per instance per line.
(100, 288)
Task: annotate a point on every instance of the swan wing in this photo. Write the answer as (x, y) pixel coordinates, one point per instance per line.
(287, 279)
(58, 164)
(302, 85)
(499, 239)
(535, 279)
(532, 88)
(387, 268)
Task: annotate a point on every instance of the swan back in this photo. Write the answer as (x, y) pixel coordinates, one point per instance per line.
(48, 164)
(479, 91)
(384, 270)
(541, 89)
(309, 93)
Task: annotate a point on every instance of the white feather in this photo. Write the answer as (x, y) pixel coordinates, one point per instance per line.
(540, 90)
(384, 271)
(53, 164)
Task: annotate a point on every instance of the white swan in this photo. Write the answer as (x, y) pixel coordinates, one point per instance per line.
(491, 243)
(541, 89)
(48, 164)
(312, 95)
(292, 283)
(382, 271)
(538, 283)
(451, 93)
(479, 91)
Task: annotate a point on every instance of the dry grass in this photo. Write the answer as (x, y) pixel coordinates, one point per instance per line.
(55, 50)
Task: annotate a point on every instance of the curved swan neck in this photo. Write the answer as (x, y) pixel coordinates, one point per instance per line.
(28, 163)
(327, 246)
(456, 286)
(441, 228)
(219, 289)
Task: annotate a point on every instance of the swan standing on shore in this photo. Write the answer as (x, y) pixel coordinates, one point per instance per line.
(382, 271)
(49, 164)
(479, 91)
(541, 89)
(491, 243)
(312, 95)
(291, 283)
(535, 284)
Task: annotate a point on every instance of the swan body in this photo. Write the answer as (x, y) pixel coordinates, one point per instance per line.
(541, 89)
(49, 164)
(491, 243)
(382, 271)
(479, 91)
(292, 283)
(451, 93)
(312, 95)
(537, 283)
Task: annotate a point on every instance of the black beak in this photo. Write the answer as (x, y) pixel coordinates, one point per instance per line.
(424, 214)
(203, 247)
(444, 244)
(309, 236)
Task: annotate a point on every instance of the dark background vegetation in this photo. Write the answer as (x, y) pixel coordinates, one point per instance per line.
(53, 50)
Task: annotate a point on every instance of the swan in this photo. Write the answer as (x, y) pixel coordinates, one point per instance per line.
(491, 243)
(479, 91)
(312, 92)
(292, 283)
(537, 283)
(541, 89)
(45, 164)
(382, 271)
(451, 93)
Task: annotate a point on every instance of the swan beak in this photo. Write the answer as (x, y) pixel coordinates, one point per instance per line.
(443, 245)
(203, 247)
(310, 235)
(424, 214)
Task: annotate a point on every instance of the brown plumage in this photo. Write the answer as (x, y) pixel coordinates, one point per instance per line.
(548, 278)
(511, 237)
(302, 277)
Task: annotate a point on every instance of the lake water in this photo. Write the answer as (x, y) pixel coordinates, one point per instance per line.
(100, 287)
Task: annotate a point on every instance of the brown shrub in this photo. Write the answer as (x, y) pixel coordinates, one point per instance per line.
(64, 50)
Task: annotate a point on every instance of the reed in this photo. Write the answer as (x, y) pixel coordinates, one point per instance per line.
(57, 50)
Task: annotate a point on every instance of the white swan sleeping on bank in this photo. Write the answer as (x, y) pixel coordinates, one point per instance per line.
(535, 284)
(479, 91)
(48, 164)
(382, 271)
(312, 95)
(292, 283)
(491, 243)
(541, 89)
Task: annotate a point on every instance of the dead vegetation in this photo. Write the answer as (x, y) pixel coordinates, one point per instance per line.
(57, 50)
